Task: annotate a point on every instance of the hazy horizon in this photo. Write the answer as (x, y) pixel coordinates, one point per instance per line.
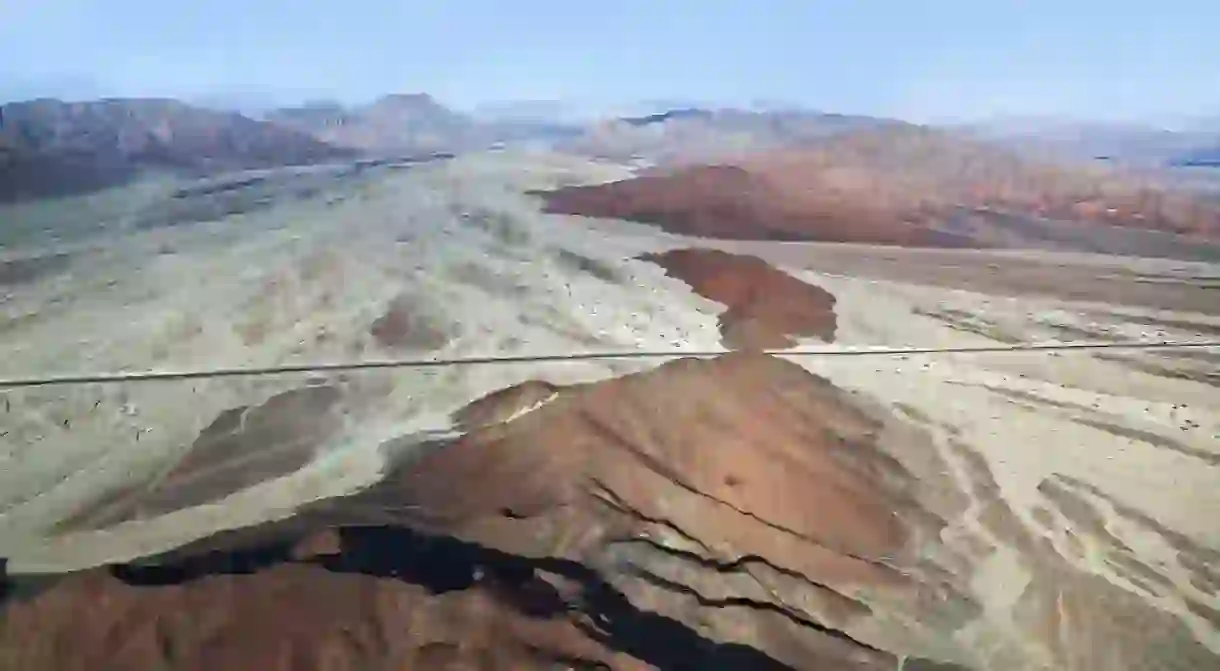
(942, 61)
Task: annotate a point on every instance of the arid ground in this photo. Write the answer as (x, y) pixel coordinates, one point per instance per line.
(988, 506)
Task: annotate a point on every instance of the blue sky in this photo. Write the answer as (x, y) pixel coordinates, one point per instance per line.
(1109, 59)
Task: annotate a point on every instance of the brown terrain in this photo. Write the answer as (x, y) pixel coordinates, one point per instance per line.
(735, 512)
(764, 306)
(312, 613)
(859, 187)
(653, 538)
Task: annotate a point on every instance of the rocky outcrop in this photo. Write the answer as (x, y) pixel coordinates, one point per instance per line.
(764, 307)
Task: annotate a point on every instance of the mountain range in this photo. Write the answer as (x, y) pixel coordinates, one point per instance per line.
(50, 147)
(53, 147)
(402, 122)
(1129, 143)
(1202, 157)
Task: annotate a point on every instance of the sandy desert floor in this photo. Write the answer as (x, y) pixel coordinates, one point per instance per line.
(1109, 459)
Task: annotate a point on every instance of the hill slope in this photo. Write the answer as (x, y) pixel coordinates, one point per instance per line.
(910, 186)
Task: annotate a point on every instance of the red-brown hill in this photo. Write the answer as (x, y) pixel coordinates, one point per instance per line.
(737, 512)
(909, 186)
(632, 523)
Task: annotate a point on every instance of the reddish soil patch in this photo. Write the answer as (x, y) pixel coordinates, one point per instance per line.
(764, 305)
(735, 203)
(403, 325)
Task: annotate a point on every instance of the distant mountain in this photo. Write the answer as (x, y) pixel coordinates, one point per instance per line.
(417, 123)
(692, 134)
(550, 111)
(1128, 143)
(392, 123)
(647, 106)
(253, 105)
(51, 147)
(661, 117)
(1208, 157)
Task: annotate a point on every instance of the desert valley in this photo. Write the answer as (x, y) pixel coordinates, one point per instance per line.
(393, 386)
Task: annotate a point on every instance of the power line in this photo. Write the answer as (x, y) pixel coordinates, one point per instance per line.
(152, 375)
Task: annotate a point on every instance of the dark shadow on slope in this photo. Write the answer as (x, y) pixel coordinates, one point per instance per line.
(443, 563)
(246, 561)
(15, 588)
(30, 269)
(241, 448)
(26, 178)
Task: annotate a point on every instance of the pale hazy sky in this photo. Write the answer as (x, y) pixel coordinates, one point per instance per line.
(1109, 59)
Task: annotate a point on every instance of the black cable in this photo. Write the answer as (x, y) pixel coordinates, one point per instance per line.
(141, 376)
